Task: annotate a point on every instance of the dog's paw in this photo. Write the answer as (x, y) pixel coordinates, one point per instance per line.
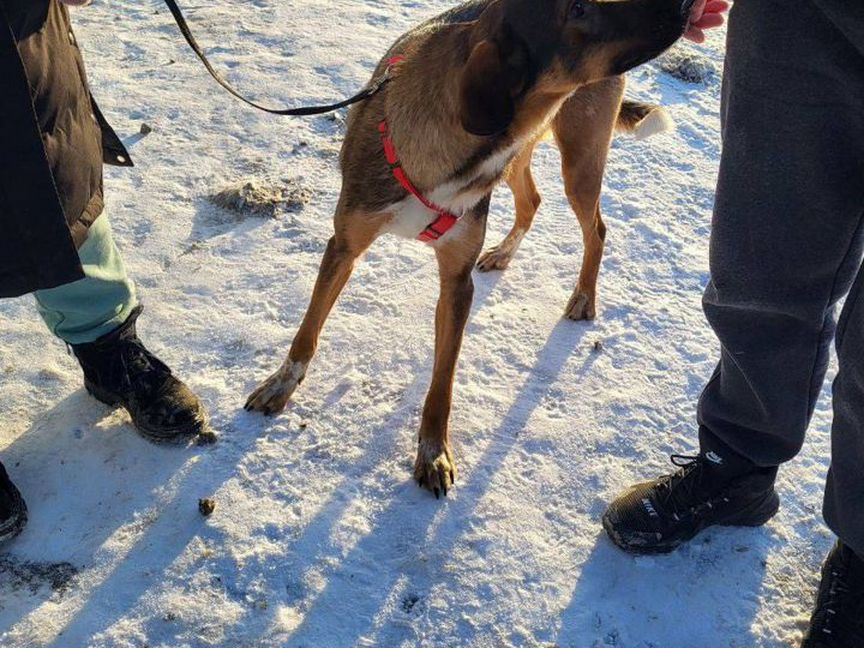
(273, 394)
(435, 469)
(580, 307)
(499, 257)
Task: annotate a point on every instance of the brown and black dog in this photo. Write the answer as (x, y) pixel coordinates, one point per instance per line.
(470, 95)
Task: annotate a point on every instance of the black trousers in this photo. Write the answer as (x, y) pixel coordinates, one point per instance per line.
(786, 245)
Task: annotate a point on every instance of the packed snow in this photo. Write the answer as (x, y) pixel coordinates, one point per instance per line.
(319, 536)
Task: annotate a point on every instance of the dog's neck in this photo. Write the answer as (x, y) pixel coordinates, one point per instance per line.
(423, 106)
(424, 113)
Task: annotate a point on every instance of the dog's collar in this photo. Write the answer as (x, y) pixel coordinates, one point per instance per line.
(446, 220)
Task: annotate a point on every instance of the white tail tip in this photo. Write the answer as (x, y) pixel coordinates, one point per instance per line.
(658, 121)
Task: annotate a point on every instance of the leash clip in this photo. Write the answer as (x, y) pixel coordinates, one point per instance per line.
(386, 77)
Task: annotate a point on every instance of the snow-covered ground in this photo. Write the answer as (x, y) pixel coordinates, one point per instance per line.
(320, 537)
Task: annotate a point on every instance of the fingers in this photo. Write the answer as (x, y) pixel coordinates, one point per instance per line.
(716, 6)
(696, 31)
(704, 8)
(711, 18)
(697, 10)
(709, 21)
(706, 14)
(695, 35)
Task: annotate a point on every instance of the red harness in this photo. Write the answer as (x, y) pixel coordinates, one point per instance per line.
(446, 220)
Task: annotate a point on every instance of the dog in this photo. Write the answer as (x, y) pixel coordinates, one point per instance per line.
(469, 95)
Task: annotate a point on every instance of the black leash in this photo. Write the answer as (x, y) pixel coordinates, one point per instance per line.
(371, 90)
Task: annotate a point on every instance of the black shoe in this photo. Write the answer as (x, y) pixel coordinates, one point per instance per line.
(13, 510)
(119, 370)
(658, 516)
(838, 620)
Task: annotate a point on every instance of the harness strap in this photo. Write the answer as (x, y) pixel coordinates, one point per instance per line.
(445, 220)
(373, 88)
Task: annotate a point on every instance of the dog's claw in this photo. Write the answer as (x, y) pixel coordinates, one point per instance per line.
(273, 394)
(434, 468)
(580, 306)
(496, 258)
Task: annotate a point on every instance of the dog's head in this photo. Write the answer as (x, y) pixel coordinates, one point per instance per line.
(555, 46)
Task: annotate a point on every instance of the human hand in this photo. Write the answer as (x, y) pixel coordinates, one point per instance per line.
(705, 14)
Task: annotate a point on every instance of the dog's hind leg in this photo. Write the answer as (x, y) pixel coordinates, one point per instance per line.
(353, 236)
(435, 468)
(527, 200)
(584, 145)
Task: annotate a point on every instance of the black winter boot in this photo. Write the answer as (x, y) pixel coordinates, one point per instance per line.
(838, 620)
(13, 510)
(119, 370)
(657, 516)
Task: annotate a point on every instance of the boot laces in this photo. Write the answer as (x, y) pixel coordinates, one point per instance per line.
(139, 367)
(682, 491)
(841, 606)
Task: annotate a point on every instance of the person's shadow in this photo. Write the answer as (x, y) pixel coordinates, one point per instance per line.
(86, 477)
(678, 600)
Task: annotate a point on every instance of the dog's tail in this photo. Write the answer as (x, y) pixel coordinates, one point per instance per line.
(643, 120)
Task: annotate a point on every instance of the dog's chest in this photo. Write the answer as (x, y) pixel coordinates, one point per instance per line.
(458, 196)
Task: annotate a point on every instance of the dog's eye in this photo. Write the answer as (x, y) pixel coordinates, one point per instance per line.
(577, 10)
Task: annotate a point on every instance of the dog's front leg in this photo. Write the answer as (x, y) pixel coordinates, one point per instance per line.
(435, 468)
(354, 233)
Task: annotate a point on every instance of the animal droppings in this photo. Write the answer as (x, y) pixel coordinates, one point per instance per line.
(206, 506)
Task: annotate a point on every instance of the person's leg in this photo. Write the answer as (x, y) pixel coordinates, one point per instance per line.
(844, 494)
(86, 310)
(97, 316)
(786, 239)
(785, 246)
(837, 620)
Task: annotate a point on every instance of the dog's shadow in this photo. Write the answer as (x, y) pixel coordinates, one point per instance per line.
(413, 537)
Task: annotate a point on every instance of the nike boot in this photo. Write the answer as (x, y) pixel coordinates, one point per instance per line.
(714, 488)
(119, 370)
(13, 511)
(838, 620)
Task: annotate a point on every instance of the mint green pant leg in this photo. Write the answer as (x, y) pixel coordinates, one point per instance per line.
(85, 310)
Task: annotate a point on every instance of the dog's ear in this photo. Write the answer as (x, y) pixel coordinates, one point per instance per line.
(494, 76)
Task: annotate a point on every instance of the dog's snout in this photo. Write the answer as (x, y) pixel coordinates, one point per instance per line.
(686, 6)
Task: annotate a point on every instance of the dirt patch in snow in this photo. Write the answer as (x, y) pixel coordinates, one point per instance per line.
(252, 198)
(688, 66)
(34, 576)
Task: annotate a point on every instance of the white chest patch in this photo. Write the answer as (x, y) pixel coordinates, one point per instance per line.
(411, 217)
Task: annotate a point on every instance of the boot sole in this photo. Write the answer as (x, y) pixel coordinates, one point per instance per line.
(177, 436)
(755, 515)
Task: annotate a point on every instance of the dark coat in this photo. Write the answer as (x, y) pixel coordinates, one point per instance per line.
(53, 140)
